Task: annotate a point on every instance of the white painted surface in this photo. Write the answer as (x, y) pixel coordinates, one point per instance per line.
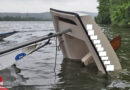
(98, 45)
(91, 32)
(110, 67)
(89, 27)
(100, 49)
(102, 53)
(96, 41)
(104, 58)
(94, 37)
(106, 62)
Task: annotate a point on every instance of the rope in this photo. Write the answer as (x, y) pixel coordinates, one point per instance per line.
(46, 43)
(55, 55)
(39, 39)
(60, 42)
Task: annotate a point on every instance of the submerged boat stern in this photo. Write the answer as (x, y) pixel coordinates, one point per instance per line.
(85, 42)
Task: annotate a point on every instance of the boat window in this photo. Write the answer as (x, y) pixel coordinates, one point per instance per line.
(67, 20)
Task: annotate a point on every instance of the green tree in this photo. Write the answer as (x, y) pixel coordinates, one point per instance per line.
(114, 11)
(120, 12)
(104, 12)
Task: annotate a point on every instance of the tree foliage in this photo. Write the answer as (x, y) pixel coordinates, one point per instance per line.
(118, 12)
(104, 13)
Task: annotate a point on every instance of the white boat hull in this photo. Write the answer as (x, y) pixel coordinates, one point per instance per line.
(86, 42)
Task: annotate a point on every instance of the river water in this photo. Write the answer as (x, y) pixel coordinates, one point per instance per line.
(36, 71)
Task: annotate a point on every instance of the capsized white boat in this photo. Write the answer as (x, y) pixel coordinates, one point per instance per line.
(85, 42)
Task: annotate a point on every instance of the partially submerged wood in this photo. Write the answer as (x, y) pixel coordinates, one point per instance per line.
(116, 42)
(87, 59)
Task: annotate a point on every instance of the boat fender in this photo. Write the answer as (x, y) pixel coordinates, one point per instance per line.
(1, 81)
(1, 84)
(19, 56)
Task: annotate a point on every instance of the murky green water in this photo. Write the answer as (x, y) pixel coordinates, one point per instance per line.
(36, 72)
(75, 77)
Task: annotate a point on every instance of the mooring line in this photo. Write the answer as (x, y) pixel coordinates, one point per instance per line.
(24, 44)
(55, 54)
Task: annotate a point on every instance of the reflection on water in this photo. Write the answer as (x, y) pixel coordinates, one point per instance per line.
(74, 76)
(36, 72)
(24, 88)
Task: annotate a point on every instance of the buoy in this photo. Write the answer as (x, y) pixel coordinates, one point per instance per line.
(1, 84)
(1, 81)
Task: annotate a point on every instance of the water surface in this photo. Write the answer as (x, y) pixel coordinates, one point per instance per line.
(36, 72)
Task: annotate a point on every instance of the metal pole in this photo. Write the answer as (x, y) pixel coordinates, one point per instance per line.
(33, 41)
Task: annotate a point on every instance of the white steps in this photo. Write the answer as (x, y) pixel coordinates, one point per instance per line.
(100, 49)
